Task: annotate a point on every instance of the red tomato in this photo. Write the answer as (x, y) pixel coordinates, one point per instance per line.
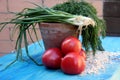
(82, 53)
(73, 63)
(71, 44)
(52, 58)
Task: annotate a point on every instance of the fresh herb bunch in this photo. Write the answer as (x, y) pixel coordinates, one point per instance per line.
(90, 37)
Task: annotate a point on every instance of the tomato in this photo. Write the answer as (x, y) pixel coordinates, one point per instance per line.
(71, 44)
(83, 53)
(52, 58)
(73, 63)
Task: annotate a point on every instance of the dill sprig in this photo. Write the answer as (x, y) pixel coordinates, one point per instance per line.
(90, 36)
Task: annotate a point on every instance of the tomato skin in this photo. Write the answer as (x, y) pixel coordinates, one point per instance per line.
(83, 53)
(73, 63)
(52, 58)
(71, 44)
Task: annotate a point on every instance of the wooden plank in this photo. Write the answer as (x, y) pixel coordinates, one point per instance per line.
(113, 26)
(111, 9)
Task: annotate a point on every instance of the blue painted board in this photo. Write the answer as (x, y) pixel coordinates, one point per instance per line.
(27, 70)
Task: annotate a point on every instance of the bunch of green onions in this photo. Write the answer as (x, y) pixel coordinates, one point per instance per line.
(31, 17)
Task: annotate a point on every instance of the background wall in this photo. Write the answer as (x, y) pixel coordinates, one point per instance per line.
(8, 6)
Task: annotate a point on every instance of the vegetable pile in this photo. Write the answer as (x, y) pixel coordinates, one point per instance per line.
(87, 22)
(70, 58)
(29, 18)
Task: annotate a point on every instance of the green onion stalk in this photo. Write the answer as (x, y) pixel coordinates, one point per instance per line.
(30, 17)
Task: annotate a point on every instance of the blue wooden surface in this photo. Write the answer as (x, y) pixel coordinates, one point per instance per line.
(27, 70)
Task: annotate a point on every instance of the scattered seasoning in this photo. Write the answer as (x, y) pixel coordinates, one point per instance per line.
(98, 62)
